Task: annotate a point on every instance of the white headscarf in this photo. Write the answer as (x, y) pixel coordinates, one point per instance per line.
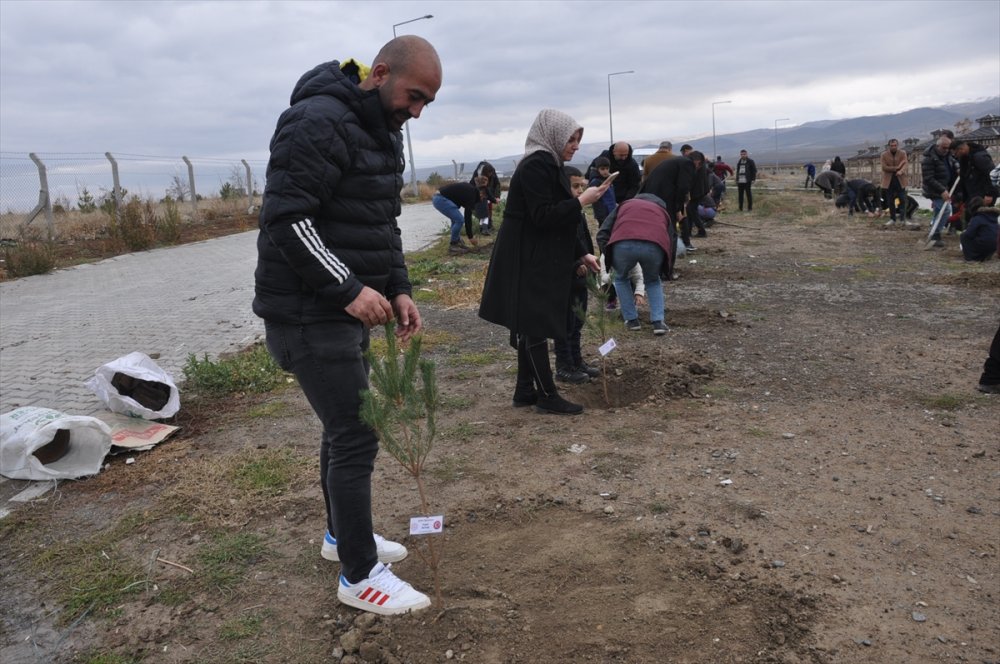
(550, 132)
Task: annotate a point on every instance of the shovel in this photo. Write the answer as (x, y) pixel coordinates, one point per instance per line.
(928, 243)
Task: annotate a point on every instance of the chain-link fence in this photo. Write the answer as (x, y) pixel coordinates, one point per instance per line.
(38, 189)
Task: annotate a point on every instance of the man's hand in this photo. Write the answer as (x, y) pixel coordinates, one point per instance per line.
(591, 262)
(370, 307)
(408, 320)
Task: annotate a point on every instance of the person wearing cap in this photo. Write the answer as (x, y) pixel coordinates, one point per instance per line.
(664, 152)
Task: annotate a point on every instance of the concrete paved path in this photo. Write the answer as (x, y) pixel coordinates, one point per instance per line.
(57, 329)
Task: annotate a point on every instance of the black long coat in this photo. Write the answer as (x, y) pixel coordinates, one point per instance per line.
(531, 270)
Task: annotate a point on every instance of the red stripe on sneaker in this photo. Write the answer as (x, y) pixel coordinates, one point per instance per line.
(365, 593)
(374, 598)
(383, 600)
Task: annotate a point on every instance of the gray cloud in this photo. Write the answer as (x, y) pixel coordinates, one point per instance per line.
(210, 78)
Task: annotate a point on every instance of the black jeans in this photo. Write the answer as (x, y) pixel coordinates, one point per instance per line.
(568, 355)
(745, 187)
(328, 361)
(889, 195)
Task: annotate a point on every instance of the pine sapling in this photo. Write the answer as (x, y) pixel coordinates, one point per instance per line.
(599, 320)
(402, 414)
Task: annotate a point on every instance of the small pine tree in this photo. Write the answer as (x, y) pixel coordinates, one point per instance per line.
(85, 201)
(403, 417)
(599, 320)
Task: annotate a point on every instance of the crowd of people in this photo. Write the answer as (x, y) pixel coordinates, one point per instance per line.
(330, 262)
(958, 177)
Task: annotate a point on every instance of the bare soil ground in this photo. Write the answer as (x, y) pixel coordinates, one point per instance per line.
(800, 471)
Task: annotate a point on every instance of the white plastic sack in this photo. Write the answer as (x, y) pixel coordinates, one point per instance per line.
(139, 366)
(44, 444)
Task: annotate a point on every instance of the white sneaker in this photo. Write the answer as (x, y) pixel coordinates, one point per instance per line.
(388, 551)
(382, 592)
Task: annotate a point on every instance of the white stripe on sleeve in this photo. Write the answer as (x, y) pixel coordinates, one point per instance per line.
(310, 238)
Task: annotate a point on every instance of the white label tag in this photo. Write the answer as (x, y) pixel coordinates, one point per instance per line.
(426, 525)
(607, 347)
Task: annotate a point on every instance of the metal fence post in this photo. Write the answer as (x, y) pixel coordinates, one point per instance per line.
(44, 200)
(194, 194)
(116, 189)
(249, 186)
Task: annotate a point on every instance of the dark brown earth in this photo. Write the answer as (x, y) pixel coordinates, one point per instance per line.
(800, 471)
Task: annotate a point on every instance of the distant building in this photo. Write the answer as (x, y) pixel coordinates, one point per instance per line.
(865, 164)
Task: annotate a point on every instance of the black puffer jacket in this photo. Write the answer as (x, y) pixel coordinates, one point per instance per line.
(328, 222)
(627, 184)
(975, 169)
(938, 172)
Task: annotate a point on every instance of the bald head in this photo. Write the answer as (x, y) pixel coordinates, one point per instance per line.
(620, 151)
(409, 52)
(407, 75)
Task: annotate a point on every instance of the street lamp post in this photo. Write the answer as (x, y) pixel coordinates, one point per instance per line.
(776, 142)
(611, 128)
(409, 143)
(714, 153)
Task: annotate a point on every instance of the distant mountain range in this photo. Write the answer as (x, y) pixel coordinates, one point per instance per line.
(813, 141)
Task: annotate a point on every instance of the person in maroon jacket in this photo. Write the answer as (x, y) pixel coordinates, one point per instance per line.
(639, 231)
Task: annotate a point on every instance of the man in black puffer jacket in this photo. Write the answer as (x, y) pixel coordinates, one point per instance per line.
(938, 172)
(330, 266)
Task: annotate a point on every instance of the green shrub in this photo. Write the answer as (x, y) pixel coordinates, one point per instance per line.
(251, 371)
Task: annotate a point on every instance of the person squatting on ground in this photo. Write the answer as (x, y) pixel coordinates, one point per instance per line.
(830, 183)
(894, 181)
(859, 194)
(640, 233)
(746, 174)
(330, 266)
(450, 199)
(570, 367)
(485, 169)
(938, 169)
(979, 240)
(528, 281)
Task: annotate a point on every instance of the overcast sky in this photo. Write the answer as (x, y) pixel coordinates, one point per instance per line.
(210, 78)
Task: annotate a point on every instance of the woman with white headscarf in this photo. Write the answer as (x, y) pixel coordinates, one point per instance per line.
(531, 270)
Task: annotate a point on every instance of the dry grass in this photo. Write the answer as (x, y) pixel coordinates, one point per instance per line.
(229, 491)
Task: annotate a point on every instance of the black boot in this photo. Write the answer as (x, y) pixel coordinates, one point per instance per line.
(549, 401)
(525, 393)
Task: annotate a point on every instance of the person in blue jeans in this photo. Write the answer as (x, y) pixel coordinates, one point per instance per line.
(639, 231)
(450, 198)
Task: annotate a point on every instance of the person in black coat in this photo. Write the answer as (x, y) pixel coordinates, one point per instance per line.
(839, 167)
(570, 367)
(528, 282)
(746, 174)
(674, 181)
(330, 266)
(621, 161)
(975, 164)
